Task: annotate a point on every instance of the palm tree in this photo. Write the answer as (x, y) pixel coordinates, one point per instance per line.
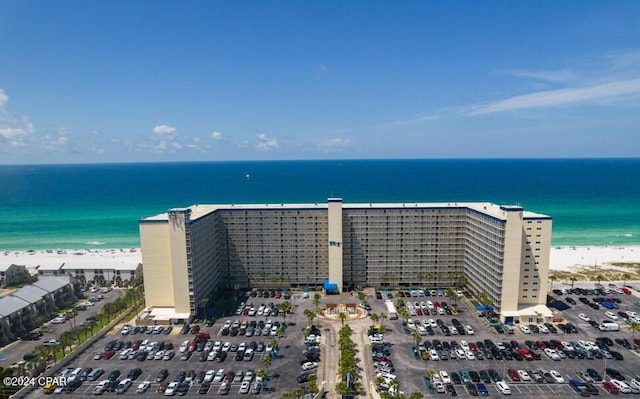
(393, 278)
(266, 360)
(274, 344)
(452, 294)
(430, 374)
(316, 302)
(379, 380)
(552, 279)
(634, 327)
(374, 317)
(362, 296)
(599, 277)
(205, 303)
(310, 315)
(463, 281)
(342, 316)
(383, 317)
(416, 395)
(625, 278)
(573, 280)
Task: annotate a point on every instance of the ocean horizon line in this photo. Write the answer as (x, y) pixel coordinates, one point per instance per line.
(177, 162)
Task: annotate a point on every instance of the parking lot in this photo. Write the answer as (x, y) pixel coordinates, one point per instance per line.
(284, 368)
(410, 368)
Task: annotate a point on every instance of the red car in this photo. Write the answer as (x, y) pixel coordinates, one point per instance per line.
(108, 354)
(513, 374)
(557, 343)
(163, 386)
(626, 290)
(610, 387)
(527, 354)
(473, 347)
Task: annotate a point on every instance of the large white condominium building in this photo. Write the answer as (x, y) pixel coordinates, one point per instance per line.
(190, 253)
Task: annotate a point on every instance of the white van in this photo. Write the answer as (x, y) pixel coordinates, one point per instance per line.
(609, 327)
(503, 388)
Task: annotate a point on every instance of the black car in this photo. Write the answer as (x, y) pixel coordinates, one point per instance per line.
(204, 388)
(162, 375)
(111, 385)
(613, 373)
(113, 375)
(239, 355)
(199, 377)
(134, 373)
(185, 329)
(304, 377)
(495, 376)
(485, 377)
(570, 300)
(141, 356)
(473, 391)
(195, 329)
(617, 355)
(451, 390)
(455, 378)
(594, 374)
(182, 389)
(180, 377)
(222, 356)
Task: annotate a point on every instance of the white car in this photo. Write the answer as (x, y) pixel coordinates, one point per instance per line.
(525, 329)
(557, 377)
(432, 323)
(460, 354)
(183, 346)
(422, 331)
(444, 376)
(621, 385)
(425, 323)
(524, 376)
(543, 329)
(244, 387)
(469, 330)
(433, 354)
(470, 355)
(553, 355)
(503, 388)
(411, 324)
(219, 376)
(101, 387)
(208, 377)
(309, 366)
(143, 387)
(464, 345)
(584, 317)
(171, 389)
(611, 315)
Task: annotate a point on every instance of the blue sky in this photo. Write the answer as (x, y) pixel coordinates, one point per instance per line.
(139, 81)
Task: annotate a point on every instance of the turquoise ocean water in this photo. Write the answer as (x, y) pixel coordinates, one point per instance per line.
(592, 201)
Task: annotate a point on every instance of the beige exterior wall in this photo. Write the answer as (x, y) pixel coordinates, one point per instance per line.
(335, 242)
(536, 249)
(158, 268)
(179, 237)
(511, 265)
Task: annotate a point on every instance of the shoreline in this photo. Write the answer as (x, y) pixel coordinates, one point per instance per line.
(564, 258)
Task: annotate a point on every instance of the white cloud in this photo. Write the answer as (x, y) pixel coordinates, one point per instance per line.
(334, 145)
(216, 135)
(551, 98)
(561, 75)
(4, 98)
(266, 143)
(164, 129)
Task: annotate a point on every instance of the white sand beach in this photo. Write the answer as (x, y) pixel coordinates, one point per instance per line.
(107, 258)
(565, 258)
